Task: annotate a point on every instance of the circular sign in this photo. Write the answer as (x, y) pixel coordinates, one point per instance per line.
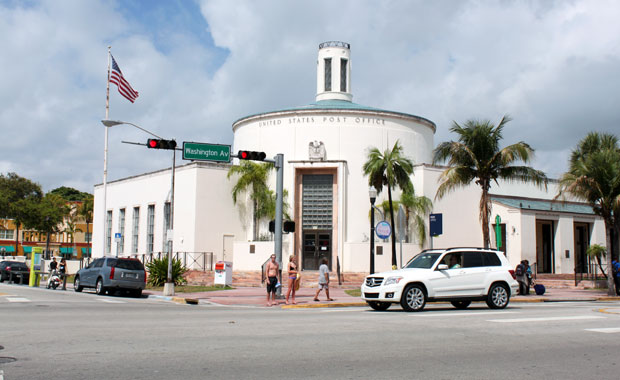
(383, 230)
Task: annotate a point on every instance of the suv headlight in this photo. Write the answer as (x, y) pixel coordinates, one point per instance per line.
(392, 280)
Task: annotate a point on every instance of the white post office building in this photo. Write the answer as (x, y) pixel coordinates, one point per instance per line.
(325, 144)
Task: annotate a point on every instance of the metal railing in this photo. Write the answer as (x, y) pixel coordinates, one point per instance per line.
(590, 272)
(202, 261)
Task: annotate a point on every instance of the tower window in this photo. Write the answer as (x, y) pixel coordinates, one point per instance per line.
(343, 75)
(328, 74)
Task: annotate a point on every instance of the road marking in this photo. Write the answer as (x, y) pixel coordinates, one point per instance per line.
(609, 330)
(464, 314)
(17, 299)
(339, 310)
(609, 310)
(112, 301)
(545, 319)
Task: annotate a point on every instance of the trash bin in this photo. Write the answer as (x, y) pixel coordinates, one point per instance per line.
(223, 273)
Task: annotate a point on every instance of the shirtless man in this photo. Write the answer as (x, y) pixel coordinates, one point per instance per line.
(273, 271)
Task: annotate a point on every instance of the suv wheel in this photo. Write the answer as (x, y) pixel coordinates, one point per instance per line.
(379, 306)
(76, 284)
(498, 297)
(413, 298)
(99, 289)
(460, 304)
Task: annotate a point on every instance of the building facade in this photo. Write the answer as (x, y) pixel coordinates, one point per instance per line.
(325, 145)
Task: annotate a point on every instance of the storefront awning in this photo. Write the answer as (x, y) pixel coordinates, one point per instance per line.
(7, 248)
(86, 251)
(27, 249)
(66, 250)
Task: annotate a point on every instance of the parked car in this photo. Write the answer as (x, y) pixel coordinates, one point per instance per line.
(457, 275)
(19, 270)
(108, 274)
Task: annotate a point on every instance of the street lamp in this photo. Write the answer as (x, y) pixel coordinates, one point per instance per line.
(372, 193)
(169, 286)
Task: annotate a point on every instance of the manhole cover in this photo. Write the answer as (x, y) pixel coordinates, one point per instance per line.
(6, 359)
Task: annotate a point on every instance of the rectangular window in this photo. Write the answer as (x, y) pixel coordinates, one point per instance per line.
(343, 74)
(88, 237)
(6, 234)
(328, 74)
(121, 230)
(166, 226)
(136, 230)
(108, 232)
(150, 228)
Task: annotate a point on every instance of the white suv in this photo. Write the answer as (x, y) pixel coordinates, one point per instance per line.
(458, 275)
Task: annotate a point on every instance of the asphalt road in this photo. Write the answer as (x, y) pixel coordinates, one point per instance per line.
(67, 335)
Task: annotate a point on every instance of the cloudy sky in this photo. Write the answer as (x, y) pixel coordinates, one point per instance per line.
(554, 66)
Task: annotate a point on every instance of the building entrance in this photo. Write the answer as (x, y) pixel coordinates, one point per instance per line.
(545, 260)
(582, 239)
(316, 219)
(317, 245)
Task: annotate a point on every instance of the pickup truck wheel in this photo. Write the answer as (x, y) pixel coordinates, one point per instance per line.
(460, 304)
(498, 296)
(76, 284)
(379, 306)
(99, 289)
(413, 298)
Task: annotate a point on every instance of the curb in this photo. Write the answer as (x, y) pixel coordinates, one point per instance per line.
(180, 300)
(317, 305)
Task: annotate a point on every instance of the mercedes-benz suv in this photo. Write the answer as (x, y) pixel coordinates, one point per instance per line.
(457, 275)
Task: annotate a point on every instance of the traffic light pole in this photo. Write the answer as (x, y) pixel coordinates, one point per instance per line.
(169, 285)
(279, 164)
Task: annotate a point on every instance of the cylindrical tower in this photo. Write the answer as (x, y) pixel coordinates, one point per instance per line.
(333, 73)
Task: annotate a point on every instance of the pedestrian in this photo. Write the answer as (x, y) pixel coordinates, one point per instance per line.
(272, 271)
(53, 266)
(293, 273)
(528, 277)
(62, 267)
(616, 273)
(323, 280)
(521, 277)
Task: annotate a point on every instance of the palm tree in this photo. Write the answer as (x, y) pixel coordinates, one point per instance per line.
(594, 176)
(419, 207)
(253, 181)
(86, 212)
(476, 157)
(392, 169)
(71, 221)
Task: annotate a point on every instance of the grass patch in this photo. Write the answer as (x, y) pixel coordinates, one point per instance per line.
(190, 288)
(354, 292)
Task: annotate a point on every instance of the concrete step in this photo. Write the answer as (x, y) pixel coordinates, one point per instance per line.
(309, 279)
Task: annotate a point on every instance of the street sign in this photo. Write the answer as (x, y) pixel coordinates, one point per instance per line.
(401, 223)
(436, 225)
(383, 230)
(117, 237)
(206, 152)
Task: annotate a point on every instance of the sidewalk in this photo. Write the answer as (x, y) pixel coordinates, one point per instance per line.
(305, 296)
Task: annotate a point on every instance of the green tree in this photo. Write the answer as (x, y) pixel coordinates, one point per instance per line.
(594, 177)
(477, 157)
(597, 251)
(17, 198)
(70, 194)
(86, 212)
(392, 169)
(252, 180)
(419, 207)
(46, 215)
(71, 223)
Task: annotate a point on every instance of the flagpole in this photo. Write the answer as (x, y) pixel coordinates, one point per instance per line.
(105, 157)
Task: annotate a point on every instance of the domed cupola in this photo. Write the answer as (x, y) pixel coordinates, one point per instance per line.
(333, 74)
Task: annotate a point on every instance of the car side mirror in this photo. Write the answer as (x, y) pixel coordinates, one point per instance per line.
(442, 267)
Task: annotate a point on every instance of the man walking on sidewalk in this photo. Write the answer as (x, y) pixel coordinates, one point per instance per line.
(323, 280)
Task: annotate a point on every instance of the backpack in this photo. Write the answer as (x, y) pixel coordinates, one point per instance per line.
(519, 270)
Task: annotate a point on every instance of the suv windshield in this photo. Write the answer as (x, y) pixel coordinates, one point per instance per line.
(423, 260)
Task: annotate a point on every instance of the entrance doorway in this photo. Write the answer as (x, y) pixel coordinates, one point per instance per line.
(582, 239)
(545, 262)
(317, 245)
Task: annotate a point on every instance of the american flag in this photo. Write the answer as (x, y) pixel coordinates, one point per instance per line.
(124, 88)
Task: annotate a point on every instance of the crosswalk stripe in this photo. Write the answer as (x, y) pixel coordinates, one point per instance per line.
(545, 319)
(17, 299)
(465, 314)
(609, 330)
(112, 301)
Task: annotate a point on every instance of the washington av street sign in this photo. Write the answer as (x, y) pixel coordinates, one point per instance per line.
(206, 152)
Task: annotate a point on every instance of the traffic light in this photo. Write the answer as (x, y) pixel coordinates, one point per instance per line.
(251, 155)
(161, 144)
(287, 226)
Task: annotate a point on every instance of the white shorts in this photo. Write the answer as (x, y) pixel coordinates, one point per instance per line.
(323, 286)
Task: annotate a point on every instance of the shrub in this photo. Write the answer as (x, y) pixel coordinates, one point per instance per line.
(158, 272)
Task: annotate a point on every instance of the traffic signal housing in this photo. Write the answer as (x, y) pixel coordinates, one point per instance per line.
(251, 155)
(287, 226)
(161, 144)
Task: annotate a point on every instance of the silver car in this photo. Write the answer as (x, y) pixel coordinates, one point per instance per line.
(108, 274)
